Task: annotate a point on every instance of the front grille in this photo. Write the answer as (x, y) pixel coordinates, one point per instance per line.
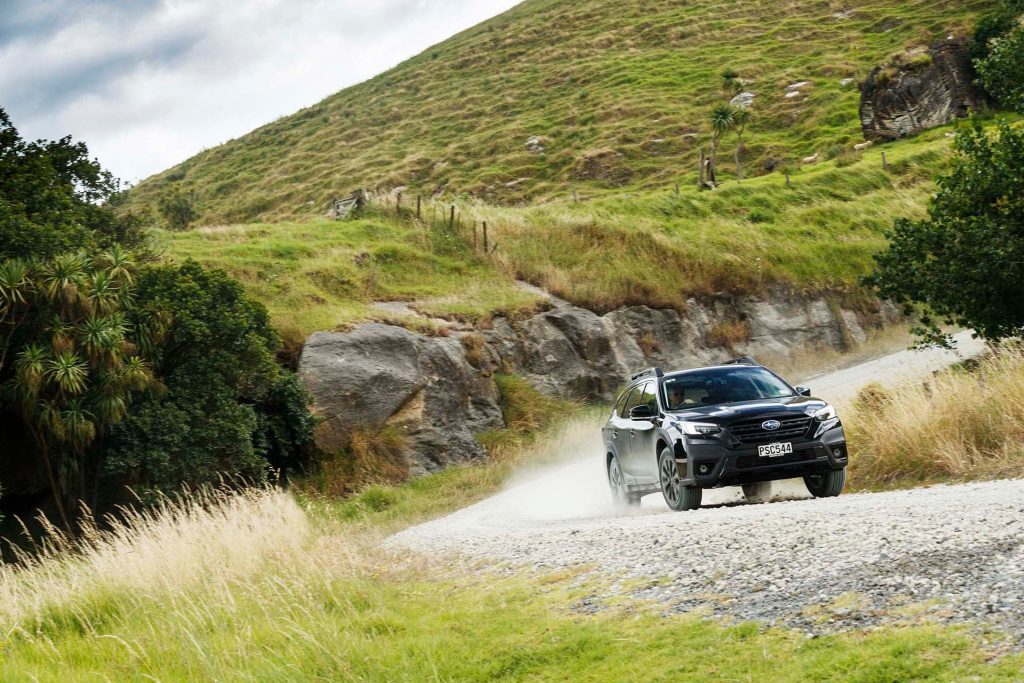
(747, 461)
(751, 431)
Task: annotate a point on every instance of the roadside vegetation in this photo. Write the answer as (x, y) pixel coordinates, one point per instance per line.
(229, 586)
(122, 378)
(965, 424)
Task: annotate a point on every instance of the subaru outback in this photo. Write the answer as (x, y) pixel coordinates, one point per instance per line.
(735, 424)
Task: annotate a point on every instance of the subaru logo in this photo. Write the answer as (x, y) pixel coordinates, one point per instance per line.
(771, 425)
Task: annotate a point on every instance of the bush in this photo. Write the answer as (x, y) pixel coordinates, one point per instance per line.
(178, 208)
(1002, 70)
(961, 425)
(964, 264)
(227, 407)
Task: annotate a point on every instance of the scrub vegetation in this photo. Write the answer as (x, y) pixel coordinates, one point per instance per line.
(965, 424)
(258, 585)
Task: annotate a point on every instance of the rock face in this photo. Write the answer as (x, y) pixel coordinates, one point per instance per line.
(919, 91)
(381, 375)
(441, 396)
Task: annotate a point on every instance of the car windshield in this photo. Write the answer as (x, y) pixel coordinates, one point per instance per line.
(722, 385)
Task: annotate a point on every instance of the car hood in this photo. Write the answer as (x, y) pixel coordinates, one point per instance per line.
(726, 412)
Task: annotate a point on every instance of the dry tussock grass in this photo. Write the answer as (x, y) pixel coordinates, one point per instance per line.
(209, 540)
(960, 425)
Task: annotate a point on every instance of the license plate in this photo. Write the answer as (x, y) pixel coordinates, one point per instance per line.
(774, 450)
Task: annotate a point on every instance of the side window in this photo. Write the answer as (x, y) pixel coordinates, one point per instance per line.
(620, 404)
(649, 399)
(634, 400)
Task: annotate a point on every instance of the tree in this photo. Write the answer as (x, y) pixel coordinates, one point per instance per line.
(228, 407)
(741, 119)
(76, 361)
(178, 208)
(1002, 70)
(964, 264)
(54, 198)
(723, 119)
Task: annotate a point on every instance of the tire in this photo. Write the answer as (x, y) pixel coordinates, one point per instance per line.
(758, 493)
(617, 483)
(677, 496)
(828, 484)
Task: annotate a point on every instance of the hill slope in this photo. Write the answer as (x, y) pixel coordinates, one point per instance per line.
(618, 93)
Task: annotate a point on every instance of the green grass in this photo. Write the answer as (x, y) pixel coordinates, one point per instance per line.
(254, 588)
(633, 78)
(323, 274)
(653, 248)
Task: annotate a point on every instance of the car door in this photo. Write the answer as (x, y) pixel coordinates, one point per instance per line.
(616, 431)
(643, 461)
(625, 430)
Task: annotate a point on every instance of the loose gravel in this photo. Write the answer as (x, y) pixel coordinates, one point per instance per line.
(945, 553)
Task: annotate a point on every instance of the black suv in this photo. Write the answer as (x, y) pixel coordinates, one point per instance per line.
(735, 424)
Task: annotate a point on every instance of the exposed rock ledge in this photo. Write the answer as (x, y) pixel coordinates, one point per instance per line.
(442, 396)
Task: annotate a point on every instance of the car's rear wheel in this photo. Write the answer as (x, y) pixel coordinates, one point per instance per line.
(677, 496)
(617, 483)
(828, 484)
(760, 492)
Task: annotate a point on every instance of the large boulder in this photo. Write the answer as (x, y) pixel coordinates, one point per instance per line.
(379, 375)
(919, 90)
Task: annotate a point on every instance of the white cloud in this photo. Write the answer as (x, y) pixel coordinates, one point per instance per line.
(146, 84)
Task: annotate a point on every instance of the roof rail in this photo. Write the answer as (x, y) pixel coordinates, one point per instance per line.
(742, 360)
(654, 372)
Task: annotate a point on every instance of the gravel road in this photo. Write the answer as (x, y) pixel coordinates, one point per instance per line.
(944, 553)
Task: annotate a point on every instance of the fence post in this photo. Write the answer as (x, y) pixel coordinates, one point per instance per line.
(885, 162)
(485, 237)
(677, 189)
(419, 201)
(787, 180)
(451, 219)
(700, 171)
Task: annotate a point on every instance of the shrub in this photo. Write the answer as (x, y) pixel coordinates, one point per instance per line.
(965, 263)
(729, 333)
(178, 207)
(960, 425)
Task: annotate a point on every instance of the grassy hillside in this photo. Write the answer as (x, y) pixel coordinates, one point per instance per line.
(618, 93)
(656, 248)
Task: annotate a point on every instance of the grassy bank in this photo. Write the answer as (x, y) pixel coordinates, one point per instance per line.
(253, 587)
(657, 249)
(963, 424)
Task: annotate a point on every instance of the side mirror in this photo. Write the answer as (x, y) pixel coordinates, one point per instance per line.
(642, 412)
(803, 391)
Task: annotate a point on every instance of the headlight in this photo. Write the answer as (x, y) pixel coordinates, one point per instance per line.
(698, 428)
(827, 418)
(826, 413)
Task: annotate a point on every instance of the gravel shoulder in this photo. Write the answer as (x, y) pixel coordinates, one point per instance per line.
(951, 553)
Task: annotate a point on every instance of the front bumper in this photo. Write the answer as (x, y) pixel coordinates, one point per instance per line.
(709, 463)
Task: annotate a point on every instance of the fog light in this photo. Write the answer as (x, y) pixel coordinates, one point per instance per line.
(704, 468)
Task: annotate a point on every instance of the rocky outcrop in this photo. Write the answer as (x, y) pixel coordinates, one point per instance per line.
(919, 90)
(441, 395)
(381, 375)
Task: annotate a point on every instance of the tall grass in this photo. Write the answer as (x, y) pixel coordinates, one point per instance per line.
(250, 587)
(962, 424)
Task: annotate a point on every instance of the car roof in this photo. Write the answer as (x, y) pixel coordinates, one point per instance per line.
(678, 373)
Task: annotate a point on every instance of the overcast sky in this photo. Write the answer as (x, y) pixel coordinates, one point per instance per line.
(148, 83)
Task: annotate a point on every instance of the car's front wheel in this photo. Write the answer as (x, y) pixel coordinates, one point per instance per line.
(617, 483)
(828, 484)
(677, 496)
